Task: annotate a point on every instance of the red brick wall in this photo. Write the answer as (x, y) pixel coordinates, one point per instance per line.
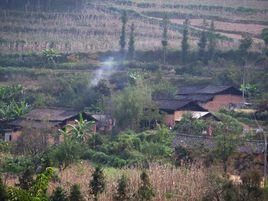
(169, 120)
(15, 135)
(221, 101)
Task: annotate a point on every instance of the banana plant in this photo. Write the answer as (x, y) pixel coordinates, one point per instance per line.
(79, 130)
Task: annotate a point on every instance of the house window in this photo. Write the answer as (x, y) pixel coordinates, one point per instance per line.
(8, 137)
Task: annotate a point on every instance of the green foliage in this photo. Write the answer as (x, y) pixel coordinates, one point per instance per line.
(129, 148)
(26, 179)
(250, 188)
(15, 165)
(72, 91)
(249, 89)
(66, 153)
(131, 44)
(245, 44)
(224, 189)
(145, 191)
(3, 191)
(165, 31)
(181, 156)
(15, 194)
(264, 35)
(75, 194)
(71, 149)
(122, 192)
(41, 182)
(228, 138)
(211, 41)
(165, 36)
(184, 42)
(163, 89)
(97, 184)
(5, 147)
(122, 41)
(50, 55)
(189, 125)
(202, 44)
(37, 192)
(78, 131)
(129, 105)
(12, 103)
(58, 195)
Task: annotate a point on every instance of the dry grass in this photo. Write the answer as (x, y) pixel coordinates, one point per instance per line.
(169, 183)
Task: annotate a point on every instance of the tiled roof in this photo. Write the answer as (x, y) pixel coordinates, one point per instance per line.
(50, 114)
(205, 90)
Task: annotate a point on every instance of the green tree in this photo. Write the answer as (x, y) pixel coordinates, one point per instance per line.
(145, 191)
(184, 42)
(66, 152)
(250, 188)
(122, 41)
(102, 90)
(122, 193)
(58, 195)
(202, 44)
(211, 41)
(245, 44)
(228, 138)
(75, 194)
(264, 35)
(129, 105)
(165, 37)
(78, 131)
(131, 44)
(97, 184)
(38, 191)
(3, 192)
(26, 179)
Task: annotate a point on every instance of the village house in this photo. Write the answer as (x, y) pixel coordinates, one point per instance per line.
(105, 123)
(174, 110)
(211, 97)
(48, 120)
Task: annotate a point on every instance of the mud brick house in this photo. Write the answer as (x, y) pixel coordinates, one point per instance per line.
(175, 109)
(104, 122)
(212, 97)
(47, 120)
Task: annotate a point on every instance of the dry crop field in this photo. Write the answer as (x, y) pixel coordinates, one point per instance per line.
(174, 184)
(97, 26)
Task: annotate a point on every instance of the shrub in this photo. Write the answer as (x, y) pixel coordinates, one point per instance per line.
(58, 195)
(3, 192)
(97, 184)
(122, 193)
(26, 179)
(75, 194)
(145, 191)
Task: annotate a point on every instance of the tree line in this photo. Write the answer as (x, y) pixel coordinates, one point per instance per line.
(207, 44)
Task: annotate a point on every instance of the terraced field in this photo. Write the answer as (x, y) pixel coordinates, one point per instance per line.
(97, 26)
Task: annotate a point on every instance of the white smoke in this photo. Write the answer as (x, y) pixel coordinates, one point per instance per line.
(104, 72)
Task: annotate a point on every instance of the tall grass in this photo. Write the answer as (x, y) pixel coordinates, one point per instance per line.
(169, 183)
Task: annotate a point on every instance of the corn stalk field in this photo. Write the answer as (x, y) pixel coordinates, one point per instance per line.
(96, 26)
(169, 183)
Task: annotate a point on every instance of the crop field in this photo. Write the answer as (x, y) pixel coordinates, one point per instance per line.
(96, 27)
